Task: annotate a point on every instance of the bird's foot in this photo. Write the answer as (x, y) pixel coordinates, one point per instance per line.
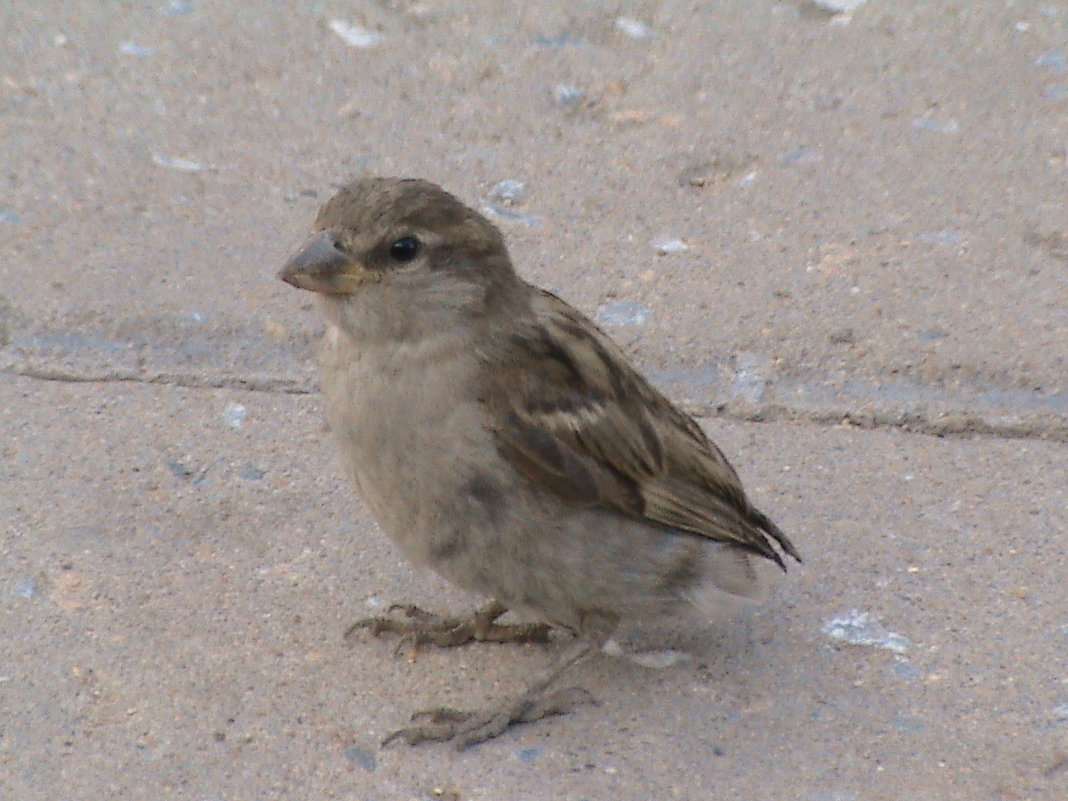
(418, 627)
(465, 729)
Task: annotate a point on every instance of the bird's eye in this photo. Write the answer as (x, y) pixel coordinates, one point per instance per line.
(404, 249)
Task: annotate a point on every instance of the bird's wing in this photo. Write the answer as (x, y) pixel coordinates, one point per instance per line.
(576, 419)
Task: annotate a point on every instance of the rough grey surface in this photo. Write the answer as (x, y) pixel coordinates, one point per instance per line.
(838, 233)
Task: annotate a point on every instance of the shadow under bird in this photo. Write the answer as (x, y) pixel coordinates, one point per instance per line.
(503, 440)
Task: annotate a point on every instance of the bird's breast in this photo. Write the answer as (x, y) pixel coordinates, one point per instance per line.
(409, 431)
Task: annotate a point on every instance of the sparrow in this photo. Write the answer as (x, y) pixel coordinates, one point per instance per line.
(500, 438)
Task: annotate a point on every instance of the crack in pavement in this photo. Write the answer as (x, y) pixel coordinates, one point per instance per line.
(266, 357)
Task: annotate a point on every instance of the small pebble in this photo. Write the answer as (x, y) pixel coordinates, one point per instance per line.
(858, 628)
(176, 8)
(748, 382)
(1056, 59)
(172, 163)
(635, 29)
(839, 6)
(507, 213)
(135, 49)
(26, 588)
(924, 124)
(565, 94)
(234, 414)
(509, 192)
(558, 41)
(666, 245)
(623, 312)
(658, 660)
(355, 35)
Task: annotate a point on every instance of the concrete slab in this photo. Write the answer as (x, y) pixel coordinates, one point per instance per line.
(871, 207)
(176, 590)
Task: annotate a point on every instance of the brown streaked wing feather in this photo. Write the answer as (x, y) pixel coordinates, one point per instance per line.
(579, 421)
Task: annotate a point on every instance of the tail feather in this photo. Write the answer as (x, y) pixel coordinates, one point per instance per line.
(762, 521)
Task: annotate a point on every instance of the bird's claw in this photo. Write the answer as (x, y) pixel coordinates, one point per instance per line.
(418, 627)
(466, 729)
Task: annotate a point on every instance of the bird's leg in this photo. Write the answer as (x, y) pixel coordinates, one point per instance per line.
(537, 701)
(418, 627)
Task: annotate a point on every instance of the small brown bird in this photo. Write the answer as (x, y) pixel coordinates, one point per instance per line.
(500, 438)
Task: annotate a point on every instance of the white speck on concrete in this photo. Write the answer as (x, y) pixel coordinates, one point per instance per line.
(506, 212)
(509, 191)
(565, 94)
(173, 163)
(355, 35)
(135, 49)
(859, 628)
(656, 660)
(635, 29)
(839, 6)
(234, 414)
(623, 312)
(935, 126)
(665, 245)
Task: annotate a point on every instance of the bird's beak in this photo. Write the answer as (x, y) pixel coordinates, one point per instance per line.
(320, 267)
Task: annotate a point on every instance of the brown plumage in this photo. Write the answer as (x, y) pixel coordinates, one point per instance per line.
(574, 417)
(499, 437)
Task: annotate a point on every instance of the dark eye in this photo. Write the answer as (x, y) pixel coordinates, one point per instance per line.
(404, 249)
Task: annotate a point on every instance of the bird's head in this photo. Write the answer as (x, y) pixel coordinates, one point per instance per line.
(402, 236)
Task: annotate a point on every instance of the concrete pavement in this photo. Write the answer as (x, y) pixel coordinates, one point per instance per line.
(866, 304)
